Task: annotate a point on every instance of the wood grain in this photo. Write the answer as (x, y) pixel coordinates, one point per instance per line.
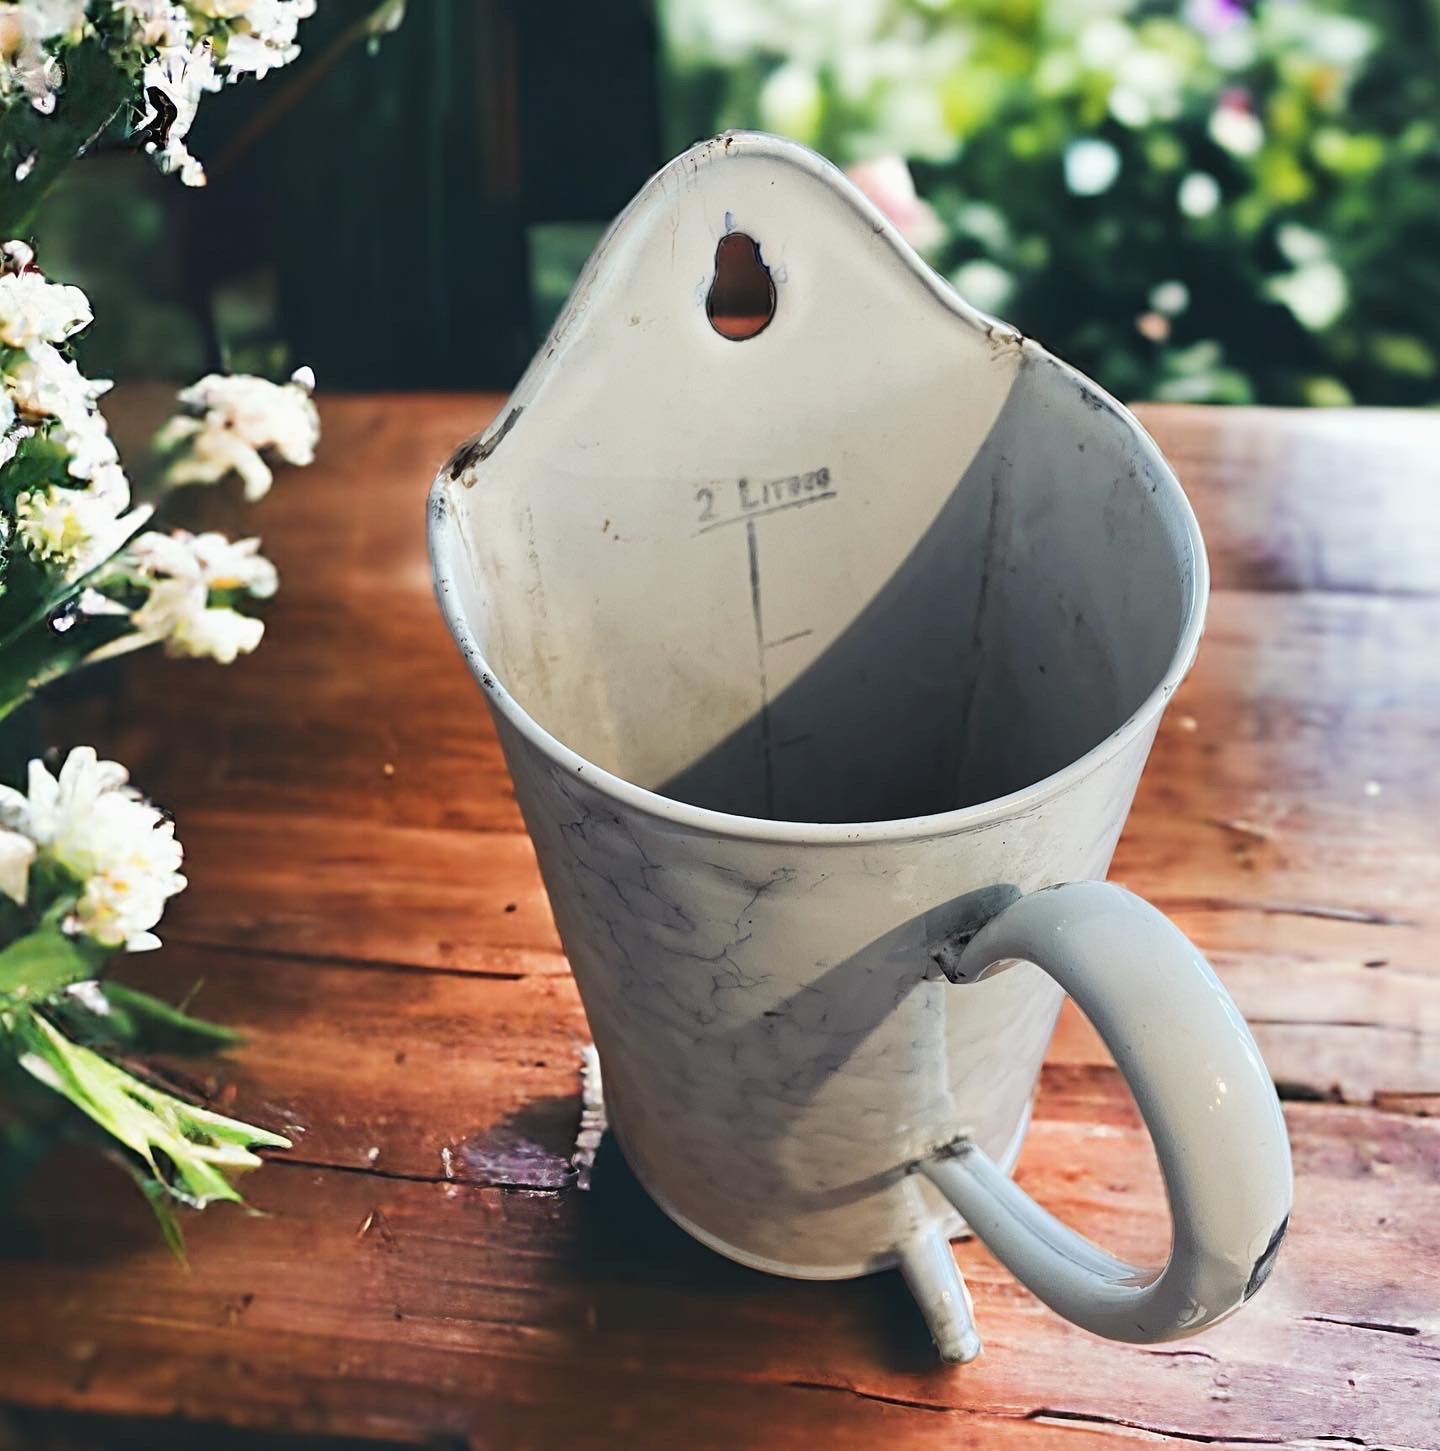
(365, 904)
(366, 1304)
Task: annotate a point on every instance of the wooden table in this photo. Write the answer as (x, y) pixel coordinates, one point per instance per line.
(364, 903)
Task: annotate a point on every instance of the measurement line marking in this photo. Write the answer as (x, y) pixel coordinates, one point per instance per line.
(786, 639)
(772, 509)
(752, 544)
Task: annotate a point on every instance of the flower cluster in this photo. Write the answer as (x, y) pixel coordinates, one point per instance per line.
(31, 33)
(69, 498)
(74, 510)
(190, 576)
(87, 865)
(104, 845)
(175, 50)
(231, 419)
(1261, 167)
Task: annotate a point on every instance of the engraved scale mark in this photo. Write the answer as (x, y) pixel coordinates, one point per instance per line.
(752, 545)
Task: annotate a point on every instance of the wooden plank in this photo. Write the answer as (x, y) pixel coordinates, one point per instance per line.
(1313, 499)
(366, 1305)
(455, 1075)
(365, 903)
(422, 1074)
(624, 1411)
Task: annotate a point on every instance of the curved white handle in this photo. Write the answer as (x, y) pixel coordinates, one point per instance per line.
(1202, 1088)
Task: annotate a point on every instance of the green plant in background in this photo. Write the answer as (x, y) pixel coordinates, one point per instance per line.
(86, 864)
(1207, 201)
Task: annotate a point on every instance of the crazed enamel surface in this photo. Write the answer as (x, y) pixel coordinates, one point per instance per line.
(810, 653)
(778, 1044)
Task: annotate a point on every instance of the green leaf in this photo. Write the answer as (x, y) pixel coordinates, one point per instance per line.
(44, 963)
(41, 654)
(189, 1150)
(152, 1024)
(113, 1015)
(158, 1198)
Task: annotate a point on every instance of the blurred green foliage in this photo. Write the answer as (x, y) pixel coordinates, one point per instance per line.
(1204, 201)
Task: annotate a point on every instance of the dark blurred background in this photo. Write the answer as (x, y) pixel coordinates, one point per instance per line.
(1198, 199)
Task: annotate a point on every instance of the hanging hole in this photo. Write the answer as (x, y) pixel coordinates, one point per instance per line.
(741, 301)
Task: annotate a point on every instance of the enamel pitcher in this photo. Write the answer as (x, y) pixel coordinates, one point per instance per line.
(826, 624)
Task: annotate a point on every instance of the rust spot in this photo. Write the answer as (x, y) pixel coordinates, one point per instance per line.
(1002, 335)
(476, 451)
(1266, 1262)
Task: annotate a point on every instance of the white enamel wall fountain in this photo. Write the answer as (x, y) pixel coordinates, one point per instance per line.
(826, 624)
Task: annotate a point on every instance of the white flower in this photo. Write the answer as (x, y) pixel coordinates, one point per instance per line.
(206, 632)
(55, 19)
(984, 283)
(185, 569)
(790, 102)
(238, 417)
(1105, 41)
(17, 851)
(1300, 245)
(209, 454)
(57, 525)
(187, 50)
(45, 384)
(33, 310)
(155, 24)
(1148, 85)
(121, 851)
(16, 256)
(1170, 298)
(108, 483)
(1340, 39)
(86, 439)
(1091, 166)
(1316, 293)
(281, 416)
(26, 30)
(182, 75)
(73, 529)
(221, 564)
(1236, 129)
(888, 183)
(1199, 194)
(264, 32)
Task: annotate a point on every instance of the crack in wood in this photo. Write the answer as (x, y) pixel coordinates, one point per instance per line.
(1290, 1091)
(1092, 1418)
(373, 1171)
(1408, 1029)
(864, 1395)
(367, 964)
(1377, 1325)
(1363, 915)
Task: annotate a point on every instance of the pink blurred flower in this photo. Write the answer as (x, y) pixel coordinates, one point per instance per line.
(887, 182)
